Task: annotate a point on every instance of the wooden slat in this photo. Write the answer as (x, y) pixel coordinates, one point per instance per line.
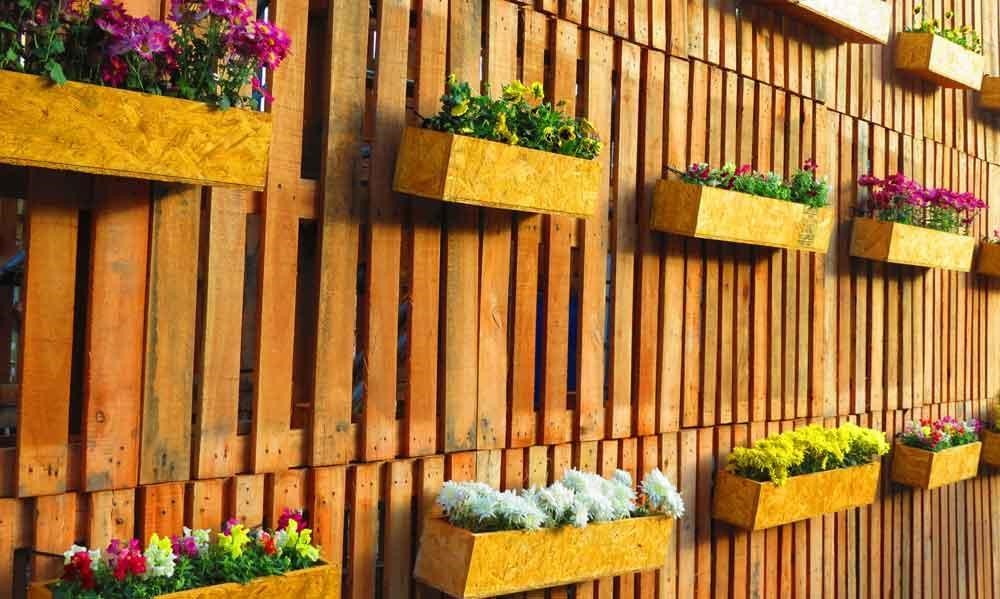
(112, 516)
(160, 510)
(54, 529)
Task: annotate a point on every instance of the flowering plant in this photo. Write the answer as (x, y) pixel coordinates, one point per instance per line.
(519, 118)
(899, 199)
(578, 499)
(964, 36)
(191, 560)
(808, 449)
(802, 188)
(940, 434)
(210, 50)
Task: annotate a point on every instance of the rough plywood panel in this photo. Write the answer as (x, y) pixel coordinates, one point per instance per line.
(107, 131)
(321, 582)
(907, 244)
(938, 60)
(713, 213)
(925, 469)
(755, 505)
(988, 259)
(858, 21)
(468, 565)
(457, 168)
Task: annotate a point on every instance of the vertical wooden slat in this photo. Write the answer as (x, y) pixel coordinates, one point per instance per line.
(160, 510)
(54, 527)
(112, 516)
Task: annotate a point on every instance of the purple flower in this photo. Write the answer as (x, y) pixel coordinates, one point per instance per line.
(288, 515)
(185, 546)
(229, 525)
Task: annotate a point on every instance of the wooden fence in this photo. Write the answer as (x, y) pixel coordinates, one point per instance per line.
(178, 355)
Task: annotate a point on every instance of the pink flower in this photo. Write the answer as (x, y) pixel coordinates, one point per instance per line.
(113, 71)
(810, 165)
(258, 87)
(287, 515)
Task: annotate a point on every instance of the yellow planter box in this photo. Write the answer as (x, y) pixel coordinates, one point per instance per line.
(468, 170)
(991, 448)
(468, 565)
(753, 505)
(938, 60)
(989, 94)
(858, 21)
(320, 582)
(925, 469)
(988, 259)
(106, 131)
(907, 244)
(713, 213)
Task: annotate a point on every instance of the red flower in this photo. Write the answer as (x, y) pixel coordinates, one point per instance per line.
(79, 569)
(267, 542)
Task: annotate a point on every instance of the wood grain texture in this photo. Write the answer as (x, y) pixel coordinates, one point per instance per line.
(991, 448)
(938, 60)
(753, 505)
(925, 469)
(468, 565)
(988, 259)
(989, 93)
(320, 582)
(94, 129)
(458, 168)
(906, 244)
(713, 213)
(858, 21)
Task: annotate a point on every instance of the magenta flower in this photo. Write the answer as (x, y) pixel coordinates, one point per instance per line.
(288, 515)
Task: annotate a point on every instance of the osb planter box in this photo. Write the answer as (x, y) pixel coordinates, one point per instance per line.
(858, 21)
(467, 170)
(989, 94)
(925, 469)
(106, 131)
(991, 448)
(466, 565)
(713, 213)
(907, 244)
(988, 259)
(938, 60)
(753, 505)
(320, 582)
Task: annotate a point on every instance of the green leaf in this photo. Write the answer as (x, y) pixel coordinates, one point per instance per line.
(7, 26)
(55, 71)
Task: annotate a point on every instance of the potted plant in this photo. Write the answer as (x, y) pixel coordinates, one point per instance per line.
(856, 21)
(798, 475)
(238, 562)
(989, 93)
(990, 437)
(85, 86)
(515, 152)
(940, 53)
(932, 454)
(904, 223)
(988, 255)
(582, 527)
(746, 206)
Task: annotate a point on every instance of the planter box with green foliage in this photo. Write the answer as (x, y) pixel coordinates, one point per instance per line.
(933, 58)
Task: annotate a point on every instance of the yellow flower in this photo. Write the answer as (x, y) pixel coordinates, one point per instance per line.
(162, 543)
(514, 91)
(949, 15)
(452, 80)
(567, 133)
(537, 90)
(460, 108)
(235, 541)
(916, 9)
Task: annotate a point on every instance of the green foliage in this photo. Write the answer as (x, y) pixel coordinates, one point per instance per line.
(806, 450)
(519, 117)
(964, 36)
(802, 188)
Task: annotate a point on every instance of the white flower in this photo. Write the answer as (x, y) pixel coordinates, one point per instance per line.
(623, 478)
(662, 495)
(581, 515)
(518, 512)
(160, 558)
(73, 550)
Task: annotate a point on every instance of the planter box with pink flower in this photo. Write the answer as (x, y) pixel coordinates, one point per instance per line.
(930, 454)
(85, 109)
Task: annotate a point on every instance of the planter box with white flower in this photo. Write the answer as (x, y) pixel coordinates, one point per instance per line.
(936, 59)
(991, 448)
(318, 582)
(924, 469)
(907, 244)
(857, 21)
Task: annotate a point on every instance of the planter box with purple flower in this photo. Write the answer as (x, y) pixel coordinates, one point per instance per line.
(857, 21)
(907, 244)
(936, 59)
(107, 131)
(715, 213)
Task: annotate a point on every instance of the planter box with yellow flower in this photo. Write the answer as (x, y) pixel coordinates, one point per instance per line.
(528, 156)
(857, 21)
(930, 454)
(756, 492)
(899, 243)
(710, 212)
(936, 59)
(107, 131)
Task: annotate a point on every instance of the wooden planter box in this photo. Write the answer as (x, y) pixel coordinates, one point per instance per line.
(106, 131)
(466, 565)
(753, 505)
(320, 582)
(467, 170)
(938, 60)
(858, 21)
(713, 213)
(991, 448)
(907, 244)
(989, 94)
(925, 469)
(988, 259)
